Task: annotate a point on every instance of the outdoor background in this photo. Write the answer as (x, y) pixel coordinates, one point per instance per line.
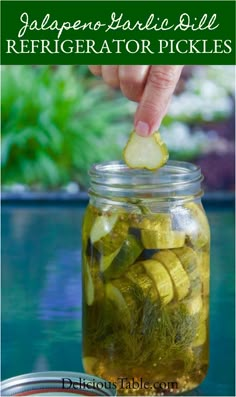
(56, 122)
(59, 120)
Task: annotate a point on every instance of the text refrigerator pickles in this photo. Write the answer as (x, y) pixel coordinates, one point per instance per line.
(146, 246)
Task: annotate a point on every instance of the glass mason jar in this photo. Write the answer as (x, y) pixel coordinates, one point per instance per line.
(146, 243)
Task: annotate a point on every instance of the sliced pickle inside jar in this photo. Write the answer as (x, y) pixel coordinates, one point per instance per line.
(201, 335)
(204, 269)
(108, 232)
(190, 218)
(157, 232)
(93, 284)
(157, 272)
(88, 282)
(138, 276)
(114, 265)
(162, 239)
(118, 293)
(193, 304)
(145, 299)
(90, 214)
(201, 235)
(189, 260)
(176, 271)
(153, 222)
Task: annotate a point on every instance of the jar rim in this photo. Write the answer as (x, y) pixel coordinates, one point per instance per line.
(177, 181)
(173, 173)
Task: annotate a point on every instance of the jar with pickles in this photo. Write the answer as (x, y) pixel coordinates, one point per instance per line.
(146, 244)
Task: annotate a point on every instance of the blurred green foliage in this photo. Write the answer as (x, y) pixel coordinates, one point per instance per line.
(56, 123)
(59, 120)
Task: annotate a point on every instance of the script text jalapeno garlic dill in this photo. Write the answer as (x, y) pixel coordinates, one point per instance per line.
(118, 22)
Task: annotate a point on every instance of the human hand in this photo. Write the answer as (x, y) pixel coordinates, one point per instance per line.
(150, 86)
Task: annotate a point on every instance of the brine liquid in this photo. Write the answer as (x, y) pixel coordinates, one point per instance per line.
(146, 322)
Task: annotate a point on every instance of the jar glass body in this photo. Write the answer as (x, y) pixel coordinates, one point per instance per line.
(146, 288)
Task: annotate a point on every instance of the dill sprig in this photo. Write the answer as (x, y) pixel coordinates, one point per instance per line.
(157, 333)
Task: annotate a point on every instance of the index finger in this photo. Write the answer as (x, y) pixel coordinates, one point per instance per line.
(160, 86)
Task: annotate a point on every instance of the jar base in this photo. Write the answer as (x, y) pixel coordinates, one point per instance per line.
(141, 386)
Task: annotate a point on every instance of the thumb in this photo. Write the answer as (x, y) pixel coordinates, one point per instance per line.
(160, 86)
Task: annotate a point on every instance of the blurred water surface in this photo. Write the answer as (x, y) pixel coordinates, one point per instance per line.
(41, 293)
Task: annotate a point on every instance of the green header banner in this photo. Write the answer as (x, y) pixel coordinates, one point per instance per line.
(102, 32)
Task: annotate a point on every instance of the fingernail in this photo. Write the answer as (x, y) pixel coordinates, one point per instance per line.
(142, 128)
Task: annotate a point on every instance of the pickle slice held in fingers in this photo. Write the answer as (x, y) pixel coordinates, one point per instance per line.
(125, 257)
(145, 152)
(157, 272)
(108, 232)
(177, 273)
